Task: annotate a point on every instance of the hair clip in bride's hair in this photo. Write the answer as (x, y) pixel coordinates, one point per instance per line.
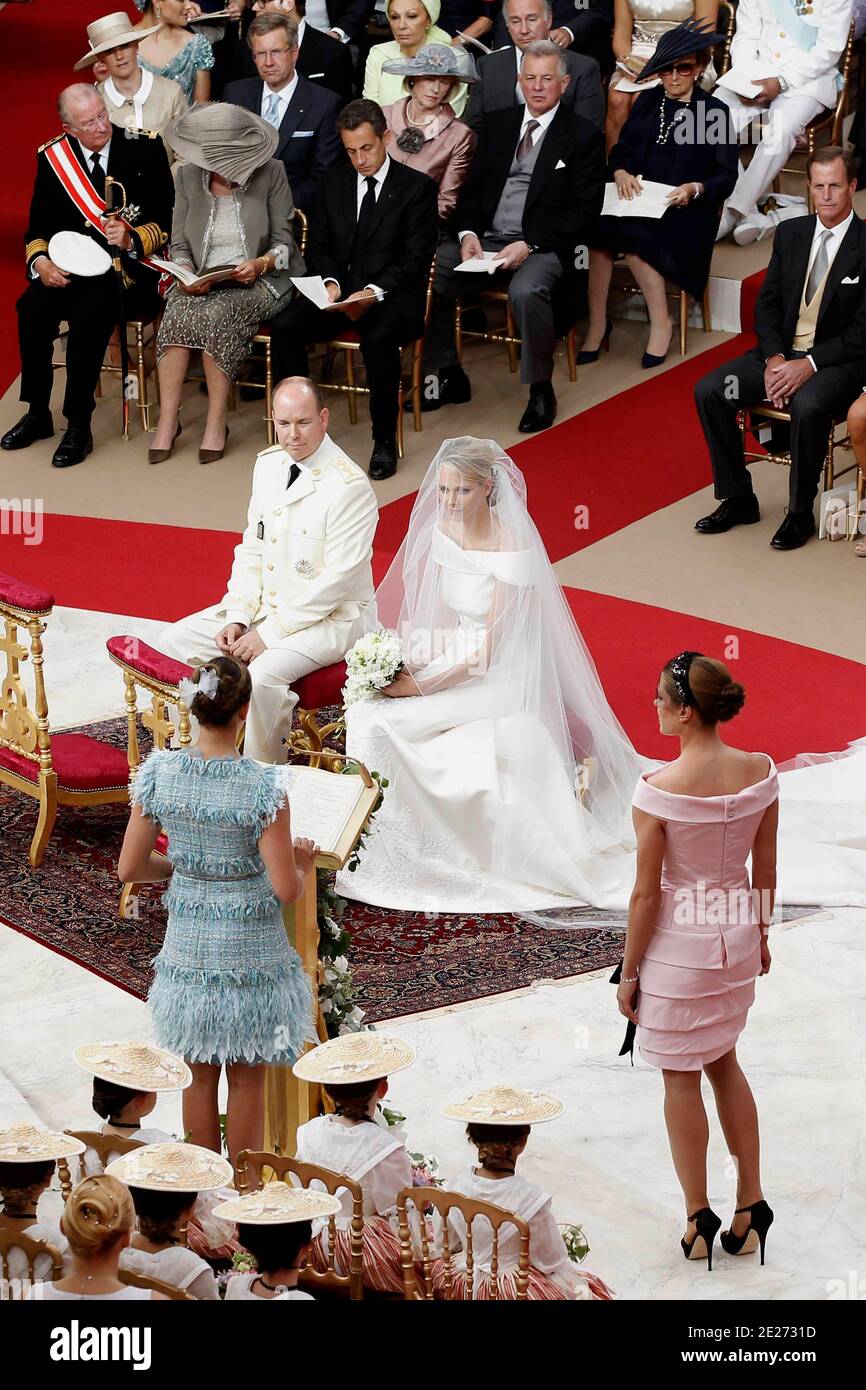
(494, 485)
(206, 683)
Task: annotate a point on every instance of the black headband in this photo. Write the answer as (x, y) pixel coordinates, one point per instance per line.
(679, 671)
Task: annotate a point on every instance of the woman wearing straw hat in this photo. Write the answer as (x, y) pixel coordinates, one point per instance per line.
(233, 205)
(276, 1226)
(128, 1079)
(136, 98)
(28, 1158)
(413, 25)
(165, 1181)
(169, 49)
(353, 1070)
(498, 1123)
(426, 133)
(97, 1221)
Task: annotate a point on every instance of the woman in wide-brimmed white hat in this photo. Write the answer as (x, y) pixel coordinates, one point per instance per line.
(425, 131)
(233, 206)
(498, 1123)
(28, 1158)
(276, 1226)
(353, 1071)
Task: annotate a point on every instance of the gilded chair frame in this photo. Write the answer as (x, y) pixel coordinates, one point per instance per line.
(509, 335)
(25, 731)
(747, 418)
(103, 1145)
(134, 1280)
(263, 338)
(418, 1273)
(31, 1249)
(307, 1173)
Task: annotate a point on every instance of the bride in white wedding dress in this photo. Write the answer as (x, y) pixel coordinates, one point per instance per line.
(510, 778)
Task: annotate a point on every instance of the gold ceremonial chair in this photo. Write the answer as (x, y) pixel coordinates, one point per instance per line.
(55, 769)
(750, 421)
(142, 345)
(30, 1248)
(418, 1273)
(825, 123)
(134, 1280)
(680, 297)
(105, 1146)
(507, 334)
(263, 338)
(726, 23)
(250, 1165)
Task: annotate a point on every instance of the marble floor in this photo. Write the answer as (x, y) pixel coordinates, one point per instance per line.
(606, 1160)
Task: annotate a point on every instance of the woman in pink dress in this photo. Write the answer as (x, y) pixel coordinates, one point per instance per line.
(697, 937)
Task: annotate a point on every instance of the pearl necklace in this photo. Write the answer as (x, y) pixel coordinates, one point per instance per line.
(420, 124)
(665, 130)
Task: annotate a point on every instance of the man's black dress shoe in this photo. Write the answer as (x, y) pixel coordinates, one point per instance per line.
(73, 448)
(540, 413)
(453, 387)
(734, 511)
(29, 428)
(383, 460)
(794, 531)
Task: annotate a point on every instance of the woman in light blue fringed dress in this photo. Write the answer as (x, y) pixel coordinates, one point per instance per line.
(228, 987)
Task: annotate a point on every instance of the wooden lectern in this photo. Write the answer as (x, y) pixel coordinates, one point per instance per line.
(289, 1102)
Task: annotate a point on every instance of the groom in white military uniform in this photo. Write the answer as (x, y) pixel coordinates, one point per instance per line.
(301, 586)
(790, 50)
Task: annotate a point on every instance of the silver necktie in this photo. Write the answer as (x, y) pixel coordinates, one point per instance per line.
(819, 266)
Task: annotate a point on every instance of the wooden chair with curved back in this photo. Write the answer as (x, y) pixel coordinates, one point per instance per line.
(418, 1274)
(134, 1280)
(14, 1287)
(105, 1146)
(250, 1163)
(263, 339)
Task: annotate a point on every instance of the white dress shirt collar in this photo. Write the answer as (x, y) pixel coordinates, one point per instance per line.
(139, 96)
(838, 234)
(284, 95)
(543, 121)
(103, 156)
(380, 178)
(314, 459)
(302, 28)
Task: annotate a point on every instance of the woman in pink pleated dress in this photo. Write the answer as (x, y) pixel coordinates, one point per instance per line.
(697, 937)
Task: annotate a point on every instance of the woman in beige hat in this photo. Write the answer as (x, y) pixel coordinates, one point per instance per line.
(170, 49)
(28, 1158)
(426, 133)
(353, 1071)
(136, 98)
(165, 1181)
(276, 1226)
(97, 1221)
(233, 206)
(498, 1123)
(128, 1079)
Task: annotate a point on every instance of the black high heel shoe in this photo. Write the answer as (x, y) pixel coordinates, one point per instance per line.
(701, 1244)
(760, 1221)
(651, 359)
(583, 359)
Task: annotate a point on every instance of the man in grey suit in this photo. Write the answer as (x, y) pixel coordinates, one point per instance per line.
(499, 90)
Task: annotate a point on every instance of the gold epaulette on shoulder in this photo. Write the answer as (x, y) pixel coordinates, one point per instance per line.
(348, 471)
(151, 134)
(52, 141)
(271, 449)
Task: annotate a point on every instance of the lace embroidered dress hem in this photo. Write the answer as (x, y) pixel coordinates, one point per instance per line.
(227, 984)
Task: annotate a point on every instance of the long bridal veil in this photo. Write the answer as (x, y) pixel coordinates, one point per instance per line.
(520, 666)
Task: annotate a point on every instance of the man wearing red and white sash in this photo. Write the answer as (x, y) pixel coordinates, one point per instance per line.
(68, 195)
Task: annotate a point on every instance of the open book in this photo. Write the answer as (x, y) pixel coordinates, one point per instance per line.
(652, 202)
(329, 807)
(315, 289)
(467, 38)
(743, 77)
(187, 276)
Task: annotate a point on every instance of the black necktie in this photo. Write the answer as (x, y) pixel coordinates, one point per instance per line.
(365, 215)
(97, 177)
(294, 472)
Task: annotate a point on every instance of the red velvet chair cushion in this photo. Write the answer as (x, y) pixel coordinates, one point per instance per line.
(323, 687)
(147, 660)
(82, 764)
(20, 595)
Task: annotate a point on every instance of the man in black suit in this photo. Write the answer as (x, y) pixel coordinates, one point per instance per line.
(499, 87)
(323, 58)
(585, 27)
(372, 236)
(90, 305)
(532, 194)
(811, 355)
(304, 115)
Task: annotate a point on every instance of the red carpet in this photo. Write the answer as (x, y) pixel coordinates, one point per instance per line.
(44, 38)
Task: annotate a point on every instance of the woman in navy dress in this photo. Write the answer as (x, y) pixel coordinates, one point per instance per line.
(680, 135)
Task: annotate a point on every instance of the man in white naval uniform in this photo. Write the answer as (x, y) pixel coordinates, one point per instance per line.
(790, 49)
(301, 586)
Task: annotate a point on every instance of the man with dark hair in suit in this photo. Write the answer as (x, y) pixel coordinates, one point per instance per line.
(499, 86)
(324, 58)
(71, 173)
(811, 355)
(304, 115)
(532, 194)
(373, 232)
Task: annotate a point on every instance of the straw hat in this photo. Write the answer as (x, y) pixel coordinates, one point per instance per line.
(27, 1144)
(277, 1204)
(435, 60)
(172, 1168)
(503, 1105)
(222, 139)
(353, 1058)
(139, 1066)
(112, 31)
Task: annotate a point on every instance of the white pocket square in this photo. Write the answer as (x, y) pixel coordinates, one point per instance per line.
(302, 134)
(558, 165)
(314, 74)
(851, 280)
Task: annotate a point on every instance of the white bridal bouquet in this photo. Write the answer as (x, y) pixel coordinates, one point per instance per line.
(372, 663)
